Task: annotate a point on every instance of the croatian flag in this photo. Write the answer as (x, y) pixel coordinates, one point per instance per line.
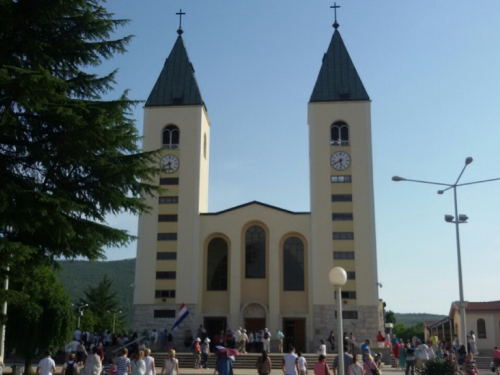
(183, 313)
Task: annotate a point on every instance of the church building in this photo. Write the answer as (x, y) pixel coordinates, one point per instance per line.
(256, 265)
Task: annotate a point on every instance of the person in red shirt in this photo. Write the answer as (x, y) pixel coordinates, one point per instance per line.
(197, 352)
(380, 339)
(496, 359)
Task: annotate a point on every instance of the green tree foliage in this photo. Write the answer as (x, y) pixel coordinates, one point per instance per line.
(390, 317)
(101, 299)
(68, 158)
(408, 332)
(40, 314)
(438, 366)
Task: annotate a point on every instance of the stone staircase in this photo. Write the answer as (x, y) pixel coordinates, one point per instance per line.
(243, 361)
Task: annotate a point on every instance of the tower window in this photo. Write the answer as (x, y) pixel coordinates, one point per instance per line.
(167, 218)
(255, 253)
(166, 255)
(169, 181)
(339, 134)
(164, 314)
(165, 275)
(171, 137)
(167, 236)
(217, 264)
(336, 179)
(168, 200)
(293, 264)
(343, 235)
(165, 293)
(342, 216)
(343, 255)
(341, 197)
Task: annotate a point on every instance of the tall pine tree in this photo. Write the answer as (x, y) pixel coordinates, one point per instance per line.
(68, 158)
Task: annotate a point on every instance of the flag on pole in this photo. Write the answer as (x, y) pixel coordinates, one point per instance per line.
(181, 315)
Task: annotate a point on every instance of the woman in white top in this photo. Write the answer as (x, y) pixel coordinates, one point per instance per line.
(356, 368)
(93, 365)
(171, 366)
(302, 363)
(322, 348)
(150, 363)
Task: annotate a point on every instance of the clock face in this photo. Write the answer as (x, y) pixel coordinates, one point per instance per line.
(340, 160)
(169, 163)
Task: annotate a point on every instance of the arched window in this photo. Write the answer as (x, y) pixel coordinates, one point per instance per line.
(293, 264)
(481, 329)
(171, 137)
(339, 134)
(217, 264)
(255, 253)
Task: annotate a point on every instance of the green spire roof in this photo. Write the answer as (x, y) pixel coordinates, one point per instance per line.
(338, 79)
(176, 84)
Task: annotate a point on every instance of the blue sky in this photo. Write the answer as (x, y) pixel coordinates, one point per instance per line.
(432, 70)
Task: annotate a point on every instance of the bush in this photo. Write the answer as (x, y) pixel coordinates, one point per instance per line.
(438, 366)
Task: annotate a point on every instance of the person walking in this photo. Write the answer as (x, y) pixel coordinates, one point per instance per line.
(410, 359)
(93, 364)
(322, 348)
(496, 359)
(70, 367)
(47, 366)
(470, 367)
(223, 366)
(352, 343)
(370, 366)
(331, 340)
(263, 364)
(197, 352)
(321, 367)
(355, 368)
(138, 365)
(302, 363)
(150, 362)
(290, 365)
(171, 364)
(348, 360)
(122, 363)
(205, 352)
(266, 340)
(402, 355)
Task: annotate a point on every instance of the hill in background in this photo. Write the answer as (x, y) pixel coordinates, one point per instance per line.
(77, 275)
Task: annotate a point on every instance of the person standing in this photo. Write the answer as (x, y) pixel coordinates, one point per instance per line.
(380, 340)
(263, 364)
(242, 341)
(154, 339)
(395, 352)
(369, 365)
(331, 340)
(402, 355)
(322, 348)
(352, 343)
(279, 337)
(348, 361)
(365, 349)
(250, 341)
(266, 340)
(197, 352)
(290, 364)
(410, 359)
(423, 355)
(223, 366)
(205, 352)
(47, 366)
(302, 363)
(496, 359)
(171, 365)
(473, 345)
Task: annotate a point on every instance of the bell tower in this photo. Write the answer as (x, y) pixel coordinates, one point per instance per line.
(175, 121)
(342, 200)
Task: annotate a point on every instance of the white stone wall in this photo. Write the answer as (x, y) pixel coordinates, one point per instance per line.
(365, 327)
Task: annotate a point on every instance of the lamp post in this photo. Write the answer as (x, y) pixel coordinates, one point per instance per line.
(114, 317)
(80, 313)
(8, 231)
(460, 219)
(338, 278)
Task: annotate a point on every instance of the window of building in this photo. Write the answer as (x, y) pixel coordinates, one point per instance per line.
(255, 253)
(205, 146)
(340, 179)
(348, 314)
(168, 200)
(351, 275)
(171, 275)
(166, 255)
(348, 295)
(167, 236)
(293, 264)
(217, 264)
(164, 313)
(343, 235)
(341, 197)
(343, 255)
(342, 216)
(481, 329)
(171, 136)
(169, 181)
(167, 217)
(339, 134)
(164, 293)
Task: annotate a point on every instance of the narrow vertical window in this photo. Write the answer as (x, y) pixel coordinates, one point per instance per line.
(255, 253)
(217, 264)
(293, 264)
(205, 146)
(171, 137)
(481, 329)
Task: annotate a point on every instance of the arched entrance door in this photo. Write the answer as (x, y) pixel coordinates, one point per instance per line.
(254, 320)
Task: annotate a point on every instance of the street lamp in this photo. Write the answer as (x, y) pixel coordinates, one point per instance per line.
(338, 278)
(80, 313)
(114, 317)
(461, 219)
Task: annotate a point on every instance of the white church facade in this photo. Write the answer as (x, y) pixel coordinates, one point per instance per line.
(256, 265)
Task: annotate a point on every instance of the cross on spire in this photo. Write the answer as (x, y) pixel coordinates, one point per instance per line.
(180, 14)
(335, 6)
